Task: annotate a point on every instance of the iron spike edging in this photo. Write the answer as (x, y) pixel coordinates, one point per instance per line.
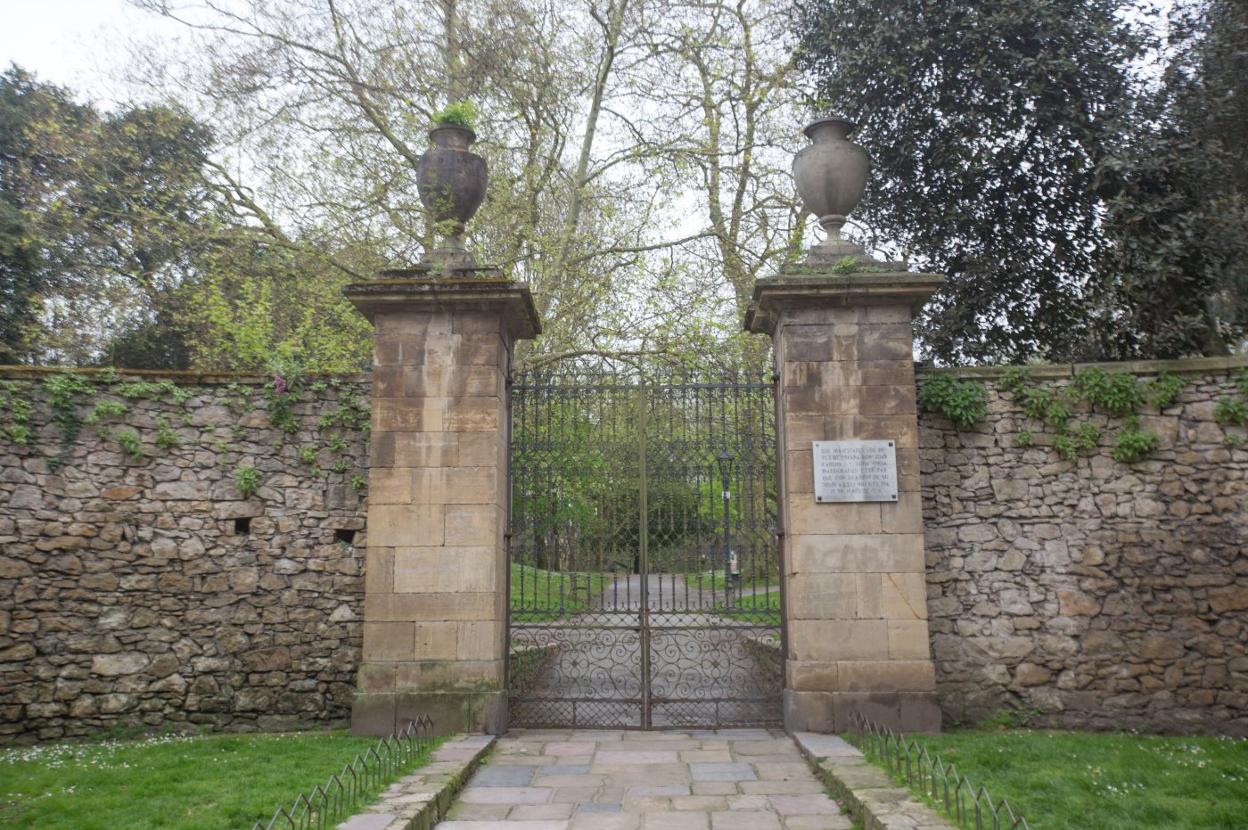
(334, 800)
(279, 813)
(354, 791)
(946, 788)
(300, 812)
(315, 812)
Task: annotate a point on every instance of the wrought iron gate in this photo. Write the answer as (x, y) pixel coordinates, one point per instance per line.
(644, 573)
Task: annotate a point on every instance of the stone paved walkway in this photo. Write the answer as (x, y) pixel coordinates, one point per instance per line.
(743, 779)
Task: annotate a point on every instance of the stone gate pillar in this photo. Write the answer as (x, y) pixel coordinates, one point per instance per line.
(854, 572)
(435, 607)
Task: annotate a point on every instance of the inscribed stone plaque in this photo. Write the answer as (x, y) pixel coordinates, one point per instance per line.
(855, 471)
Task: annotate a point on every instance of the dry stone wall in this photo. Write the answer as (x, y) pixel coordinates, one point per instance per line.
(145, 589)
(139, 586)
(1092, 593)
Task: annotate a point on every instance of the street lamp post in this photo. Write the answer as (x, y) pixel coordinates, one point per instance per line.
(725, 461)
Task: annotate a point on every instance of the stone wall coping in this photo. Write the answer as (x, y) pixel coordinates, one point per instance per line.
(1187, 365)
(512, 300)
(206, 378)
(827, 288)
(421, 799)
(863, 788)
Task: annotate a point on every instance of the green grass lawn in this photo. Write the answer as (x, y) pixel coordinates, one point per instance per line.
(538, 595)
(763, 609)
(714, 581)
(217, 782)
(1069, 780)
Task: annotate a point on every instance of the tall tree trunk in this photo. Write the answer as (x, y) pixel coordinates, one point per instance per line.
(611, 33)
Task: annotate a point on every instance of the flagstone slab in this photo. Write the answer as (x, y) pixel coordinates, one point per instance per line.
(503, 776)
(740, 771)
(803, 805)
(607, 821)
(659, 789)
(531, 812)
(506, 795)
(637, 756)
(570, 748)
(745, 820)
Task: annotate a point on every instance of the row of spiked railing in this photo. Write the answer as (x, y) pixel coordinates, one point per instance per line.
(337, 799)
(946, 787)
(943, 784)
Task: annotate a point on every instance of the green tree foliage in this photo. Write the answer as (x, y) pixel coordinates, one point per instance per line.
(99, 216)
(19, 280)
(1177, 207)
(986, 122)
(639, 183)
(123, 241)
(260, 302)
(638, 150)
(1080, 207)
(32, 164)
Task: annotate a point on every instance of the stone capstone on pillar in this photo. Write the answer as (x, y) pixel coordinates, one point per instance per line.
(435, 607)
(854, 572)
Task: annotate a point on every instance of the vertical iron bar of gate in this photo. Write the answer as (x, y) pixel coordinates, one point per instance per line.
(725, 459)
(781, 473)
(643, 551)
(511, 394)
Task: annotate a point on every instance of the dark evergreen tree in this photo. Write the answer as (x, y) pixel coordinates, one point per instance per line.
(101, 218)
(1078, 209)
(31, 169)
(987, 122)
(1177, 198)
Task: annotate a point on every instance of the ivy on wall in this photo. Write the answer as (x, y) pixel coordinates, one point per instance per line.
(65, 392)
(103, 400)
(17, 411)
(962, 401)
(1115, 394)
(1233, 411)
(1118, 395)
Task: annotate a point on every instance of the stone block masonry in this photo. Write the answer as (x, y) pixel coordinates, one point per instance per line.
(853, 572)
(435, 611)
(146, 590)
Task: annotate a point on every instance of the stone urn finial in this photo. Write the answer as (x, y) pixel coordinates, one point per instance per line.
(451, 180)
(831, 175)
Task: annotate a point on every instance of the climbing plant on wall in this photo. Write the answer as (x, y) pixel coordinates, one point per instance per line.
(1232, 410)
(1117, 395)
(104, 402)
(18, 411)
(962, 401)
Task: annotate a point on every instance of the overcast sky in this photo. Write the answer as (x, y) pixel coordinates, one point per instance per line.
(76, 43)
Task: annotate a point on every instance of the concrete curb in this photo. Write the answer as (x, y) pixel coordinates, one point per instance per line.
(864, 789)
(421, 799)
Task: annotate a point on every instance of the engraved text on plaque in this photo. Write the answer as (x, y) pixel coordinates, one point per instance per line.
(855, 471)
